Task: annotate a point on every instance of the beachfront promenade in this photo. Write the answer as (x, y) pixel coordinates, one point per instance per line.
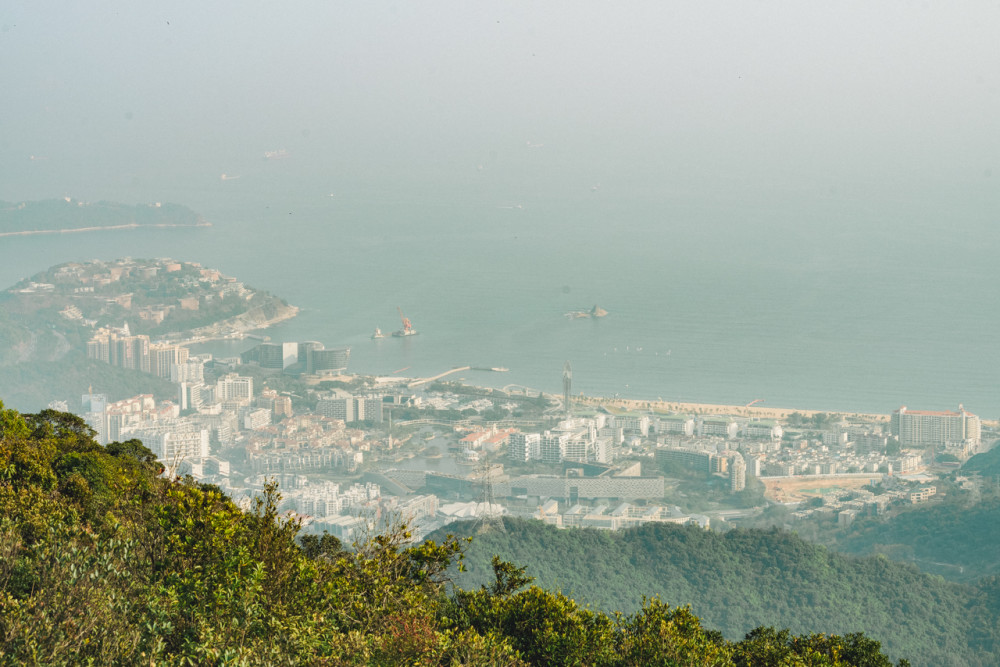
(754, 411)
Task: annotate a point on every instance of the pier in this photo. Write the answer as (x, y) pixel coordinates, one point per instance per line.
(417, 383)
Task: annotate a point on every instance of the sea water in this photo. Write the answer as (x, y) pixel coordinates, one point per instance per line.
(805, 300)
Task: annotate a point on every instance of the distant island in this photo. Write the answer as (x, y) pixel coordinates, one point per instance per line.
(68, 215)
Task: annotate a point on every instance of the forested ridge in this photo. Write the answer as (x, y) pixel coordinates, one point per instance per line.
(104, 561)
(957, 542)
(954, 538)
(986, 464)
(740, 579)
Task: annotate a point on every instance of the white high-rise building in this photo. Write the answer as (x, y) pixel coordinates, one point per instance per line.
(603, 450)
(174, 445)
(233, 387)
(174, 442)
(553, 447)
(523, 447)
(95, 413)
(926, 428)
(190, 370)
(257, 418)
(193, 395)
(737, 473)
(164, 356)
(578, 449)
(337, 405)
(341, 405)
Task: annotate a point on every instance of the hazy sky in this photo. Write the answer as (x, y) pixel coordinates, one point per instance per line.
(113, 98)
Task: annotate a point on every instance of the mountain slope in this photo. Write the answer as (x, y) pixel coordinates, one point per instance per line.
(744, 578)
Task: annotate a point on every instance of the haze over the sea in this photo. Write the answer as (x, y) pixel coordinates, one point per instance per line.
(778, 201)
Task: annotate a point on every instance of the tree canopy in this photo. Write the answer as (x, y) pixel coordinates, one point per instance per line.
(741, 579)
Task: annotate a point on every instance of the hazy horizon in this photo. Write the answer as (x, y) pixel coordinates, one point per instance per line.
(132, 102)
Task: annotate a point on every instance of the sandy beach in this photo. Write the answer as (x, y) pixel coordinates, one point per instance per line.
(753, 411)
(102, 228)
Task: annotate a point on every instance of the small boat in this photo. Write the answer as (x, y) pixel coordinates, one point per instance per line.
(378, 334)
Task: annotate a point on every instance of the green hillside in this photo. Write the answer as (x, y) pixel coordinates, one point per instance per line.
(954, 539)
(744, 578)
(104, 562)
(986, 464)
(30, 385)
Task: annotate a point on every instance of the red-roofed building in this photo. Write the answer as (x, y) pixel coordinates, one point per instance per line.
(475, 439)
(497, 440)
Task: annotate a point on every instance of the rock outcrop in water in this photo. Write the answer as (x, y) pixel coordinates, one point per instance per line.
(594, 312)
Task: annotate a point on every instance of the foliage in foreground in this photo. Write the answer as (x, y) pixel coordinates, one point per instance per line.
(102, 561)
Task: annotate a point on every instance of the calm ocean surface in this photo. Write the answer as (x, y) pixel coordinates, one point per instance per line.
(828, 301)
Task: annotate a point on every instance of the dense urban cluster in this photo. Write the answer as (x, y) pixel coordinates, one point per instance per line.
(435, 452)
(602, 468)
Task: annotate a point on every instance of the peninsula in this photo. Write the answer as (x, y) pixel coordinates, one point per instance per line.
(71, 216)
(50, 322)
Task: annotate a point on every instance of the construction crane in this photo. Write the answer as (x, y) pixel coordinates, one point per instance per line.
(407, 329)
(541, 513)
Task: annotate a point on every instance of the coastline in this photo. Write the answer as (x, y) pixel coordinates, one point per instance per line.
(682, 407)
(76, 230)
(757, 412)
(233, 328)
(754, 412)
